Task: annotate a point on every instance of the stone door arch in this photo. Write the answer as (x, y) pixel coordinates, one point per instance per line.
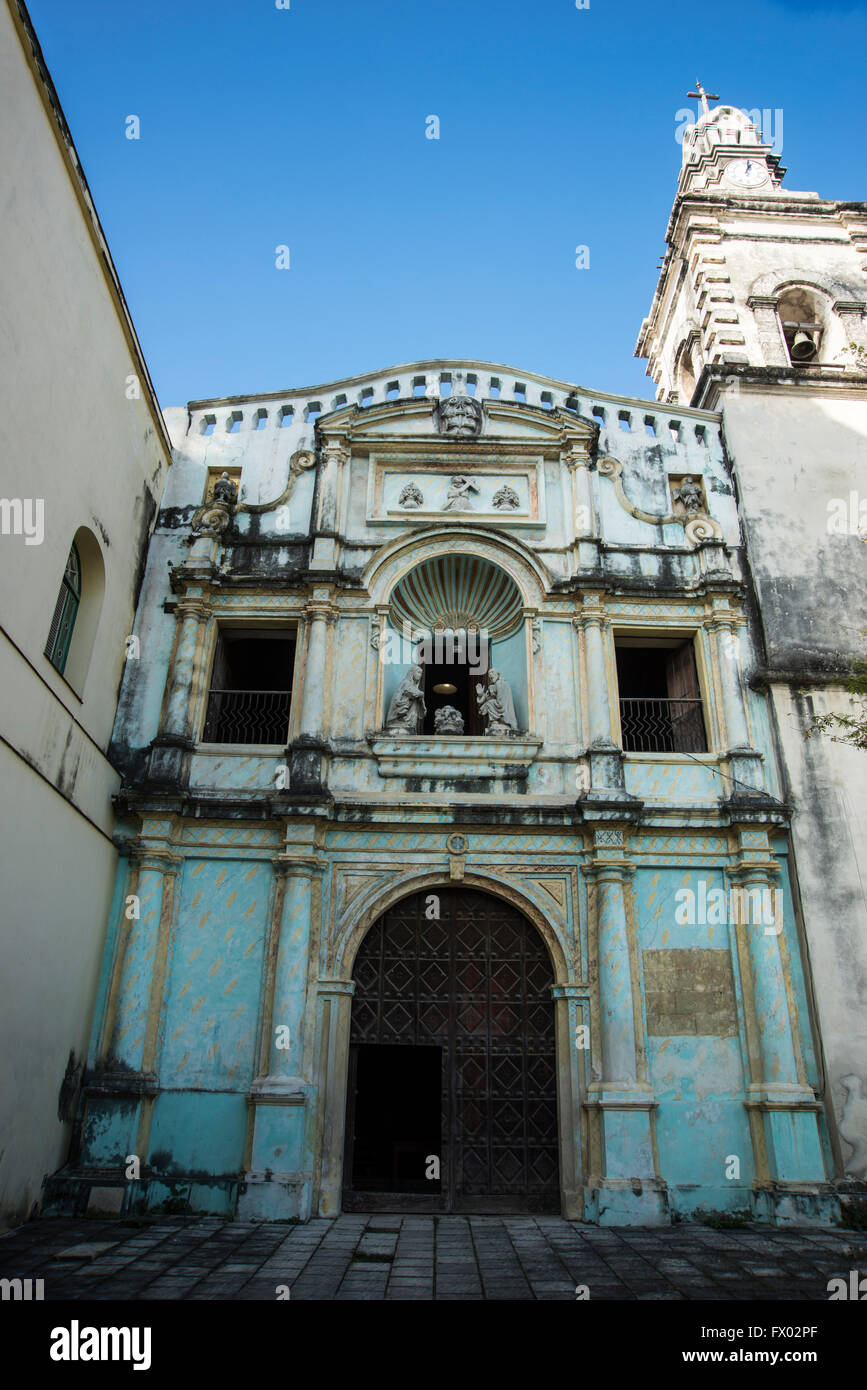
(452, 1055)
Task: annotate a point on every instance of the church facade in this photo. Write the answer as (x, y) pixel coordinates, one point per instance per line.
(460, 869)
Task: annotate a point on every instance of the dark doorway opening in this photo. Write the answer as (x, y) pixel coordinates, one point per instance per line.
(397, 1119)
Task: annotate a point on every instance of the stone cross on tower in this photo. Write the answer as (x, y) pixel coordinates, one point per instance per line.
(703, 96)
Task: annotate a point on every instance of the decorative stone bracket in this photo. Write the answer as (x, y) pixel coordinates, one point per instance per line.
(697, 529)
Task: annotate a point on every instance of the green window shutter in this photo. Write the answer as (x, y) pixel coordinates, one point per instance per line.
(65, 613)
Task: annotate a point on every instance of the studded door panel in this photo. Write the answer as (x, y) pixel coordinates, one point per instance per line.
(477, 983)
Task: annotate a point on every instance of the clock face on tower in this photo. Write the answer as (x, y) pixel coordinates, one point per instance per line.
(747, 173)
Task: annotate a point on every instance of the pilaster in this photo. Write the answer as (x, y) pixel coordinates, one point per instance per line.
(599, 681)
(279, 1173)
(310, 748)
(176, 737)
(624, 1186)
(783, 1110)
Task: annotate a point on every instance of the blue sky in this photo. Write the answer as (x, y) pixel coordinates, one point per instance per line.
(305, 127)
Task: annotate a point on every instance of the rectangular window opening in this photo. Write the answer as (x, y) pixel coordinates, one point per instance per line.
(660, 698)
(251, 687)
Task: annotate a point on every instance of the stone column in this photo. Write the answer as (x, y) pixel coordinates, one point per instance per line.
(279, 1173)
(286, 986)
(310, 748)
(770, 332)
(176, 733)
(605, 756)
(575, 460)
(782, 1108)
(334, 1015)
(320, 613)
(122, 1087)
(852, 316)
(745, 761)
(619, 1100)
(334, 456)
(571, 1014)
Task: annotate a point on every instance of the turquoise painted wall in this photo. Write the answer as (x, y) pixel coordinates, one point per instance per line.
(214, 976)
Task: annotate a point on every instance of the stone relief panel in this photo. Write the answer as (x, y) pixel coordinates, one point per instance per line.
(491, 488)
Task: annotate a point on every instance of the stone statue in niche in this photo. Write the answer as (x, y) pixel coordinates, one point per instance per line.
(459, 496)
(690, 495)
(459, 416)
(225, 491)
(497, 706)
(214, 516)
(407, 707)
(448, 720)
(506, 499)
(411, 496)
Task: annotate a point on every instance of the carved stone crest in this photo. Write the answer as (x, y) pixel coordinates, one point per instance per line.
(506, 499)
(411, 497)
(459, 416)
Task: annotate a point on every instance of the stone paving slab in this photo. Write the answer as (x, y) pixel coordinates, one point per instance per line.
(391, 1257)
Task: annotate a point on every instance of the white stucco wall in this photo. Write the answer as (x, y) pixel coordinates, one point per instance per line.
(72, 441)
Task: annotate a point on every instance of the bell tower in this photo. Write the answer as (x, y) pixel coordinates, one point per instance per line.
(759, 313)
(755, 274)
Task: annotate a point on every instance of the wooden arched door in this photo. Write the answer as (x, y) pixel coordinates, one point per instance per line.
(452, 1059)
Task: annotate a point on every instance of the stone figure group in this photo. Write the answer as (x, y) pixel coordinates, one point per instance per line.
(407, 708)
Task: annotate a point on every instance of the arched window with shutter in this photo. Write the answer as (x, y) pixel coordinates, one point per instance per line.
(65, 612)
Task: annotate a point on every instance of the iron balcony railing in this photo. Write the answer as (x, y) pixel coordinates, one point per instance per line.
(662, 726)
(247, 716)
